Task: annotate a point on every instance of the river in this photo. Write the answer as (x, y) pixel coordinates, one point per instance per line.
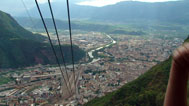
(90, 53)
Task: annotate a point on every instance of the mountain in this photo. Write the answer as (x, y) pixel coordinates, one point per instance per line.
(60, 10)
(9, 6)
(62, 24)
(21, 48)
(11, 29)
(76, 25)
(175, 11)
(147, 90)
(126, 11)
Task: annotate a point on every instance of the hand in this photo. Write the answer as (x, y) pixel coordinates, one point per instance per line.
(181, 57)
(176, 94)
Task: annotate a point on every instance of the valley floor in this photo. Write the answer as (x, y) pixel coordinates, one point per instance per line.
(116, 65)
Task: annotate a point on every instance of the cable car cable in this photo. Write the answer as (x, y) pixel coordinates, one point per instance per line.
(57, 34)
(29, 15)
(51, 44)
(71, 43)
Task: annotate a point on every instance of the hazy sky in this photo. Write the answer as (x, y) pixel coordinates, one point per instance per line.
(105, 2)
(100, 3)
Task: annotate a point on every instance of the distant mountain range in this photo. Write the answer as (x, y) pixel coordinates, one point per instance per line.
(76, 25)
(20, 48)
(174, 11)
(61, 24)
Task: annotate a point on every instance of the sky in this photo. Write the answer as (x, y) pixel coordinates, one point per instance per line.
(100, 3)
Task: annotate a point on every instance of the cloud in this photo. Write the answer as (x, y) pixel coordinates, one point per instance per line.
(45, 1)
(42, 1)
(154, 0)
(100, 3)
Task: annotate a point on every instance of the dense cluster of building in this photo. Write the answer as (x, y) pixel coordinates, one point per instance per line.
(123, 62)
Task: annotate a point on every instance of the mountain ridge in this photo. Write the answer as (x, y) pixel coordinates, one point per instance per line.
(11, 28)
(173, 11)
(76, 25)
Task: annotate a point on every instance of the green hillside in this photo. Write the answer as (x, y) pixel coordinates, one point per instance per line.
(20, 48)
(10, 29)
(147, 90)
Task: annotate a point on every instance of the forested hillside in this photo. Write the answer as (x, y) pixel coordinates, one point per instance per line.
(20, 48)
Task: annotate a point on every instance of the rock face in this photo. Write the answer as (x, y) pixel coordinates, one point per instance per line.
(20, 48)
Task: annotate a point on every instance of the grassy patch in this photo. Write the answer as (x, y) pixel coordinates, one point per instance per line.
(4, 80)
